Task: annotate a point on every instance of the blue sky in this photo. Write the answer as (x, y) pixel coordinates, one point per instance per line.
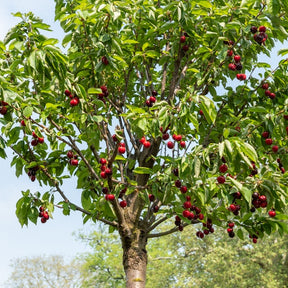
(55, 236)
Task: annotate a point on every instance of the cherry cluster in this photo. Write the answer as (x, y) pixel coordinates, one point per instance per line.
(260, 37)
(280, 166)
(3, 108)
(43, 214)
(178, 183)
(268, 93)
(185, 47)
(230, 229)
(187, 205)
(32, 173)
(222, 169)
(111, 197)
(73, 158)
(258, 201)
(36, 139)
(152, 99)
(152, 199)
(104, 93)
(105, 171)
(121, 148)
(269, 141)
(254, 238)
(144, 142)
(74, 99)
(207, 228)
(236, 65)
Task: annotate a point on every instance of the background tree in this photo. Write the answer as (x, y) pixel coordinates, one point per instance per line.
(134, 75)
(178, 260)
(44, 271)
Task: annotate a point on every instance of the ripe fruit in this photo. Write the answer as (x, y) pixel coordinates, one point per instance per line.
(262, 198)
(146, 144)
(151, 197)
(229, 53)
(272, 95)
(105, 190)
(253, 29)
(223, 168)
(182, 144)
(104, 60)
(114, 137)
(241, 77)
(231, 224)
(221, 179)
(165, 136)
(185, 48)
(123, 203)
(121, 150)
(67, 92)
(3, 110)
(182, 39)
(41, 140)
(154, 93)
(108, 171)
(34, 135)
(186, 213)
(74, 102)
(232, 207)
(265, 134)
(74, 162)
(272, 213)
(70, 154)
(237, 58)
(177, 137)
(156, 209)
(142, 140)
(178, 183)
(110, 197)
(268, 141)
(187, 205)
(183, 189)
(152, 99)
(43, 220)
(23, 123)
(262, 29)
(265, 86)
(103, 161)
(103, 175)
(232, 66)
(34, 142)
(267, 93)
(275, 148)
(170, 144)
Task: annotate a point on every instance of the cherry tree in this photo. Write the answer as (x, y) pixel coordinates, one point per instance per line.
(158, 110)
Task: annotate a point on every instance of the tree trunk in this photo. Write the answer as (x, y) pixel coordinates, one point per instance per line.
(135, 259)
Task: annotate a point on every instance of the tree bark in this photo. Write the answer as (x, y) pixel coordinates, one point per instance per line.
(135, 259)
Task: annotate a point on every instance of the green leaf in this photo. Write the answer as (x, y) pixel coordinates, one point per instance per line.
(208, 108)
(240, 234)
(94, 91)
(27, 112)
(142, 170)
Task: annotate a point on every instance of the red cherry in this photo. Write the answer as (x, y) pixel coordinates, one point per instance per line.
(265, 86)
(178, 183)
(185, 48)
(154, 93)
(231, 224)
(275, 148)
(105, 190)
(152, 99)
(272, 213)
(67, 92)
(170, 144)
(229, 53)
(41, 140)
(262, 29)
(272, 95)
(237, 58)
(43, 220)
(121, 150)
(3, 110)
(23, 123)
(182, 39)
(156, 209)
(123, 203)
(182, 144)
(103, 161)
(146, 144)
(46, 215)
(74, 162)
(114, 137)
(34, 135)
(229, 230)
(103, 175)
(70, 154)
(262, 198)
(268, 141)
(33, 178)
(165, 136)
(142, 140)
(151, 197)
(201, 112)
(187, 205)
(221, 179)
(34, 142)
(265, 134)
(108, 171)
(110, 197)
(232, 207)
(223, 168)
(254, 240)
(104, 60)
(183, 189)
(186, 213)
(201, 216)
(178, 137)
(74, 102)
(232, 66)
